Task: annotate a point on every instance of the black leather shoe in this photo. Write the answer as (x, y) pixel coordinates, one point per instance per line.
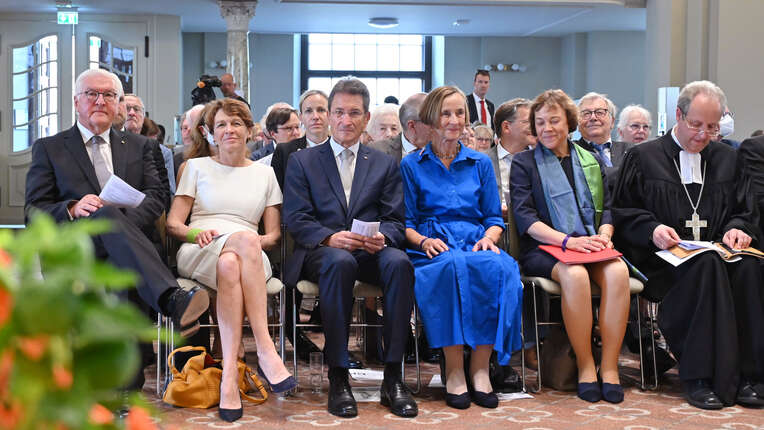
(748, 396)
(699, 394)
(304, 345)
(341, 400)
(185, 308)
(511, 381)
(353, 361)
(396, 395)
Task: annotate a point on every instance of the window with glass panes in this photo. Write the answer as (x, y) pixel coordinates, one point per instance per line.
(389, 64)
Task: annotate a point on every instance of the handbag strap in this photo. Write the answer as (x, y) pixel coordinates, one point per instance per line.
(175, 371)
(253, 381)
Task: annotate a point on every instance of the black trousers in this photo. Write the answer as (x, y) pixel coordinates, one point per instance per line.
(336, 270)
(127, 247)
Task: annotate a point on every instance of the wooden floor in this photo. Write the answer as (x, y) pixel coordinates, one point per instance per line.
(641, 410)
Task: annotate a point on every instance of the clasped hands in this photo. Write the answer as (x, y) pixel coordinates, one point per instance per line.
(588, 244)
(352, 241)
(664, 237)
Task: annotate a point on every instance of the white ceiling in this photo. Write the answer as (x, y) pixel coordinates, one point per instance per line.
(434, 17)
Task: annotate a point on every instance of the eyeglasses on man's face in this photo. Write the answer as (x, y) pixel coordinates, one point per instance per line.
(293, 128)
(136, 108)
(635, 127)
(92, 95)
(696, 127)
(598, 113)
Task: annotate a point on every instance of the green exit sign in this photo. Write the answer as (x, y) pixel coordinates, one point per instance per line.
(68, 17)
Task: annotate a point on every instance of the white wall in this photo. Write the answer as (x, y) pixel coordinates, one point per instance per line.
(165, 70)
(616, 65)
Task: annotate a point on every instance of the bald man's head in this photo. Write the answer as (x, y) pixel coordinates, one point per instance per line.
(228, 86)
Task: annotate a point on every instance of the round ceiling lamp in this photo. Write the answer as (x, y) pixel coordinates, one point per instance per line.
(383, 22)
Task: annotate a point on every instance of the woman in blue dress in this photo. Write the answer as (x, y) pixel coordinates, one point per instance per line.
(469, 292)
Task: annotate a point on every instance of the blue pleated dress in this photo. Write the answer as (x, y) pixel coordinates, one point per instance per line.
(465, 297)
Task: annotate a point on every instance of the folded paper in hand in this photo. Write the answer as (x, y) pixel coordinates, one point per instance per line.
(364, 228)
(119, 193)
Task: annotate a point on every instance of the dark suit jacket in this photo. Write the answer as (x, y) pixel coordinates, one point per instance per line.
(281, 157)
(315, 205)
(617, 154)
(61, 172)
(475, 113)
(392, 147)
(265, 151)
(751, 154)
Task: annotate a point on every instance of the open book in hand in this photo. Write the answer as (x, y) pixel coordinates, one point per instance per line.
(687, 249)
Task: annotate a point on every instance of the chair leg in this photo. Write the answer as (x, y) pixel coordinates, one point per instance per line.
(538, 340)
(522, 350)
(282, 312)
(641, 355)
(294, 332)
(651, 315)
(416, 353)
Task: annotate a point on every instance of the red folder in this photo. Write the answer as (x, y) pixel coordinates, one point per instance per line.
(574, 257)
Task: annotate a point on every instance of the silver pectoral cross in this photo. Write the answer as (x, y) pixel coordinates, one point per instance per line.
(695, 224)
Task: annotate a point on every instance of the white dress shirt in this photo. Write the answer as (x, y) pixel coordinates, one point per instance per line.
(487, 112)
(505, 162)
(105, 149)
(406, 146)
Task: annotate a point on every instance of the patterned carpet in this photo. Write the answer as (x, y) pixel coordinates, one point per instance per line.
(641, 410)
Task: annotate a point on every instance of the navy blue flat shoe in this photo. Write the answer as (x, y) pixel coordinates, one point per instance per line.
(458, 401)
(287, 384)
(612, 393)
(589, 391)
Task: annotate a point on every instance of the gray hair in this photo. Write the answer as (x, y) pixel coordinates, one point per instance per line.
(139, 99)
(484, 130)
(270, 108)
(80, 82)
(409, 110)
(379, 112)
(353, 86)
(309, 93)
(592, 95)
(691, 90)
(623, 118)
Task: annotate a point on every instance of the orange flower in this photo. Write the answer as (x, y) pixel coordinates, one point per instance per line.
(10, 416)
(139, 419)
(62, 377)
(6, 365)
(33, 347)
(99, 415)
(6, 304)
(5, 259)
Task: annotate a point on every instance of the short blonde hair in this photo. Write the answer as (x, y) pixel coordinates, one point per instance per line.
(429, 113)
(555, 98)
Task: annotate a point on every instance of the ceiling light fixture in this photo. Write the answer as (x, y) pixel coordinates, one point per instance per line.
(460, 22)
(383, 22)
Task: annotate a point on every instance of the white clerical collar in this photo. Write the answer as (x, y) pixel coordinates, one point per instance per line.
(337, 148)
(689, 163)
(407, 146)
(87, 134)
(501, 152)
(312, 143)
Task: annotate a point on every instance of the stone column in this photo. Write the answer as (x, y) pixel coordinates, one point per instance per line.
(237, 15)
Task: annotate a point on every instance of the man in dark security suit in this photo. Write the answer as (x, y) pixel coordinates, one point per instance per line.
(325, 189)
(67, 174)
(480, 89)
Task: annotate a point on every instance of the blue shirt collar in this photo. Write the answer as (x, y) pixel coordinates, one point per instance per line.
(464, 153)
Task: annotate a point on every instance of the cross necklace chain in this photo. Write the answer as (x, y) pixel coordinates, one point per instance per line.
(695, 223)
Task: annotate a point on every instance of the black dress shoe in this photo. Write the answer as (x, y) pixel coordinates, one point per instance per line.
(353, 361)
(748, 396)
(432, 355)
(699, 394)
(304, 345)
(341, 400)
(396, 395)
(511, 382)
(185, 308)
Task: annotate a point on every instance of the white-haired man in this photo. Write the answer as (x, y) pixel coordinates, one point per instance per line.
(687, 186)
(384, 123)
(634, 124)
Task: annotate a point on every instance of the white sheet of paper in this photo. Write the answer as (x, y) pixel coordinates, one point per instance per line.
(364, 228)
(366, 374)
(366, 394)
(513, 396)
(119, 193)
(435, 381)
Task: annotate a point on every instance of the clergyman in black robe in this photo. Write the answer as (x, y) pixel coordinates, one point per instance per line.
(711, 311)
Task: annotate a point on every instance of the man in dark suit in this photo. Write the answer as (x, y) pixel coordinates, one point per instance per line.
(325, 189)
(481, 109)
(415, 133)
(596, 121)
(751, 153)
(67, 174)
(314, 116)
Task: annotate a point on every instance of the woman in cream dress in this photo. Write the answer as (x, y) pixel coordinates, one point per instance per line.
(227, 195)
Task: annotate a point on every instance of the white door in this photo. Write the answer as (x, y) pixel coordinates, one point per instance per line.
(35, 98)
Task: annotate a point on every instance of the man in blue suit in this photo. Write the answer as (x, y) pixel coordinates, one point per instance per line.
(325, 189)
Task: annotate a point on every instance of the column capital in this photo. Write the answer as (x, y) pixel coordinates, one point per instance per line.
(237, 14)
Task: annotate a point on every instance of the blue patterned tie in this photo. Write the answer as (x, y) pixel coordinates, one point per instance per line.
(601, 150)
